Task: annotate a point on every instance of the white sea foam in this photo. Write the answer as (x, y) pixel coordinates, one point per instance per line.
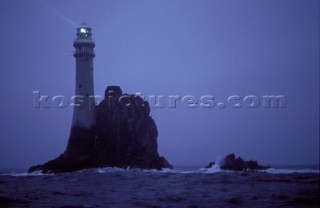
(109, 169)
(289, 171)
(35, 173)
(214, 169)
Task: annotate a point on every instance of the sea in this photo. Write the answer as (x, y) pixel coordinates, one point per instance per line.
(188, 187)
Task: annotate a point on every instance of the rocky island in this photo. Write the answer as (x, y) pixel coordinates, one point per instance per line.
(125, 136)
(230, 162)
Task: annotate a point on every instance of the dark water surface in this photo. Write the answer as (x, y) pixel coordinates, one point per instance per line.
(110, 187)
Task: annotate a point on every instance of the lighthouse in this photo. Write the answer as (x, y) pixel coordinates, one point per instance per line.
(83, 126)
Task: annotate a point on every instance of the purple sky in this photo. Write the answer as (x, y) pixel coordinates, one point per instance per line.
(167, 47)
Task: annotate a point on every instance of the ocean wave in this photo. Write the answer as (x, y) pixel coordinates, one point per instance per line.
(289, 171)
(109, 169)
(216, 169)
(22, 174)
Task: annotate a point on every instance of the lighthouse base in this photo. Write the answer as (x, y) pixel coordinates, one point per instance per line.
(81, 142)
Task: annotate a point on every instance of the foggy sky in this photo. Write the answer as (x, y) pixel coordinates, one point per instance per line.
(167, 47)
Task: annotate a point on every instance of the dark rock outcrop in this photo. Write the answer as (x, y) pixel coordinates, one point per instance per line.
(210, 165)
(230, 162)
(125, 136)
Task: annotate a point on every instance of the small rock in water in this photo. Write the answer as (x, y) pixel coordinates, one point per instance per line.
(230, 162)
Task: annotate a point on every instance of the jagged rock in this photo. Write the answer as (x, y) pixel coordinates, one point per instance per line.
(210, 165)
(125, 136)
(230, 162)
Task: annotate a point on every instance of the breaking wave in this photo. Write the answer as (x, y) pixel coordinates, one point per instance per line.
(289, 171)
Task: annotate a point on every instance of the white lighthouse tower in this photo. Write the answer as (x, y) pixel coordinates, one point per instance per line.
(84, 120)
